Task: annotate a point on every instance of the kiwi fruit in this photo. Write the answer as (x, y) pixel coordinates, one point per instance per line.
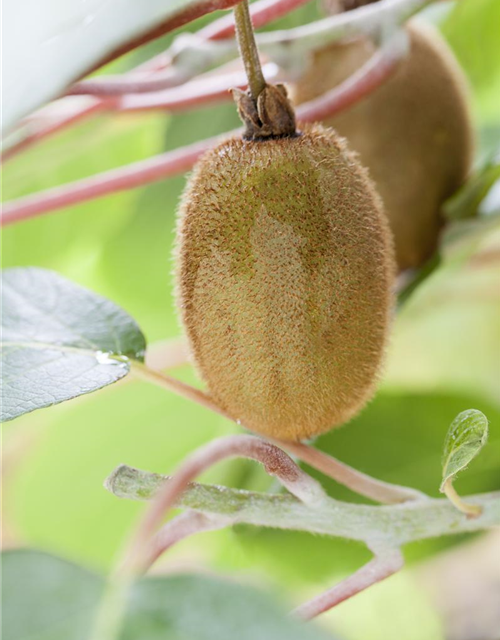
(285, 273)
(413, 133)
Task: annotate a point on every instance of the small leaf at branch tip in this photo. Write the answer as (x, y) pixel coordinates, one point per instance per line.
(109, 482)
(465, 438)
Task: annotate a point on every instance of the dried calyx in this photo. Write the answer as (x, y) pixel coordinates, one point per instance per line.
(270, 116)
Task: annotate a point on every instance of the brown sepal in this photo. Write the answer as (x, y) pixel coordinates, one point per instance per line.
(272, 115)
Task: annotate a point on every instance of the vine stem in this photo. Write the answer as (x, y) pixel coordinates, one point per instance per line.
(248, 49)
(357, 481)
(112, 609)
(383, 529)
(379, 527)
(182, 526)
(130, 176)
(191, 54)
(276, 463)
(165, 381)
(146, 546)
(371, 75)
(197, 93)
(35, 132)
(383, 565)
(174, 162)
(344, 474)
(262, 12)
(282, 44)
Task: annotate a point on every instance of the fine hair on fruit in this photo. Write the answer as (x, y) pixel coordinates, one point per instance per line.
(285, 274)
(413, 133)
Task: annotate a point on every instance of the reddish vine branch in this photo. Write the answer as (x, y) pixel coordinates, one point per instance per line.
(130, 176)
(37, 132)
(275, 461)
(184, 525)
(382, 566)
(203, 91)
(355, 480)
(200, 92)
(262, 13)
(136, 174)
(381, 65)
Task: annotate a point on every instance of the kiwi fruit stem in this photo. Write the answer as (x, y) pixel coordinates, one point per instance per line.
(265, 110)
(248, 49)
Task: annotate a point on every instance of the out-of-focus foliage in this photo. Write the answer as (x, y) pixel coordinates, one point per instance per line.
(61, 41)
(472, 30)
(62, 600)
(444, 358)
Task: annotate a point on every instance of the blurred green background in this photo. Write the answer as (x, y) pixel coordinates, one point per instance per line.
(444, 358)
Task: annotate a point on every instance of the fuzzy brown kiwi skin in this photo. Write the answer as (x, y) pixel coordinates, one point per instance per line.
(285, 272)
(414, 133)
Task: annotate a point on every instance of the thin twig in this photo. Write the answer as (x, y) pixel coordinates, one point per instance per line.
(173, 162)
(172, 384)
(130, 176)
(280, 45)
(111, 86)
(387, 526)
(382, 566)
(276, 462)
(182, 526)
(371, 75)
(357, 481)
(36, 133)
(197, 93)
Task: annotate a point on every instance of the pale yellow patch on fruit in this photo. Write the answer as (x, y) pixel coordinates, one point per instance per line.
(285, 270)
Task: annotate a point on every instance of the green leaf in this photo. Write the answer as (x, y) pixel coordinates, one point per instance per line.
(58, 42)
(465, 438)
(46, 598)
(59, 341)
